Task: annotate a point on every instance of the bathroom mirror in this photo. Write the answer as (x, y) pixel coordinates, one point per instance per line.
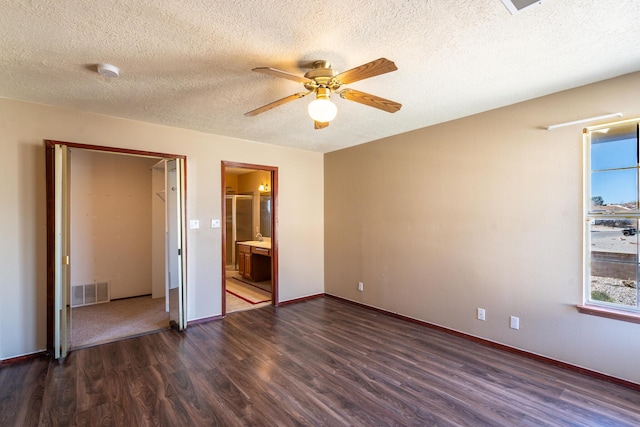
(265, 215)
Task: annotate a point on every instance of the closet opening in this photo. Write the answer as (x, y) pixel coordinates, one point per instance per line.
(115, 239)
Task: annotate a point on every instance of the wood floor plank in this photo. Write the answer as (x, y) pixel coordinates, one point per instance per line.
(21, 394)
(103, 415)
(91, 379)
(121, 405)
(320, 362)
(606, 413)
(199, 400)
(60, 395)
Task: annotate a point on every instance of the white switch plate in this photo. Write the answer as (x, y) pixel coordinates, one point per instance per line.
(194, 223)
(481, 314)
(360, 286)
(215, 223)
(514, 322)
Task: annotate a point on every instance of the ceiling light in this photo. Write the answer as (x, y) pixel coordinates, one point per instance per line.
(108, 70)
(322, 109)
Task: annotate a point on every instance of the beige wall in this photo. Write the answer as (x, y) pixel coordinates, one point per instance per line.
(24, 126)
(485, 212)
(232, 182)
(111, 221)
(249, 182)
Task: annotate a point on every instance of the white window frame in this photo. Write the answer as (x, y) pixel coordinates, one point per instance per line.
(590, 216)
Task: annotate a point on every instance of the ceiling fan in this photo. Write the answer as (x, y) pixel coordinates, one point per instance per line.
(322, 80)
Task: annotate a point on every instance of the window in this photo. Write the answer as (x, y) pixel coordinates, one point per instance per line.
(612, 217)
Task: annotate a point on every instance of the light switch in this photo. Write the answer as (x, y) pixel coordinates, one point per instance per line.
(215, 223)
(194, 223)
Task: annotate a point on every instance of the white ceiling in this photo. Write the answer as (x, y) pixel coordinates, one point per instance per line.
(188, 63)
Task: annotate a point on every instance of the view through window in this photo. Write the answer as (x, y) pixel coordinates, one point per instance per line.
(612, 189)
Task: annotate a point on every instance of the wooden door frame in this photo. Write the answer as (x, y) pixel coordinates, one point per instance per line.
(273, 170)
(50, 194)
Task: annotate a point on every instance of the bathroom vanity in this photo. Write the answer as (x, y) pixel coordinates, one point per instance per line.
(254, 260)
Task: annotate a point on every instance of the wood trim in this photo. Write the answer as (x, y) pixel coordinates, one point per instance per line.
(50, 142)
(609, 313)
(274, 237)
(204, 320)
(297, 300)
(18, 359)
(274, 221)
(229, 164)
(499, 346)
(50, 206)
(223, 243)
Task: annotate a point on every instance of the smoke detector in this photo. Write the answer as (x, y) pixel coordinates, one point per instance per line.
(108, 70)
(516, 6)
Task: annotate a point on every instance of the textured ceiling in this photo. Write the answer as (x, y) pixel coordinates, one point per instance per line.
(188, 63)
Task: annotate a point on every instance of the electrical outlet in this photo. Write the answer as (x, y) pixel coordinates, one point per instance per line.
(360, 286)
(481, 314)
(514, 322)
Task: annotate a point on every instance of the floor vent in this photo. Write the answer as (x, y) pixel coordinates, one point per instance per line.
(516, 6)
(91, 293)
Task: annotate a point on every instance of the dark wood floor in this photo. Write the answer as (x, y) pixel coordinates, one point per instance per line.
(322, 362)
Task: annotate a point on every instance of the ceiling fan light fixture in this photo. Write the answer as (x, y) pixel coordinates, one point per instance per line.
(322, 109)
(322, 80)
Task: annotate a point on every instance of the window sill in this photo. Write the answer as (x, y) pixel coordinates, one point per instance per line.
(609, 313)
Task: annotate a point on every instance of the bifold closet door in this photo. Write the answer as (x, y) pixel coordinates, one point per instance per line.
(61, 264)
(176, 277)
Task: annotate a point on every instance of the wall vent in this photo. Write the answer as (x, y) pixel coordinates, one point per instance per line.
(516, 6)
(91, 293)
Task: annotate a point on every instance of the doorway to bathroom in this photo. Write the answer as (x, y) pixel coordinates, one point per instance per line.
(249, 253)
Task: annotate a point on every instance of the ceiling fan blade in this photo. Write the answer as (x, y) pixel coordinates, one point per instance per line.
(370, 69)
(282, 74)
(370, 100)
(320, 125)
(276, 103)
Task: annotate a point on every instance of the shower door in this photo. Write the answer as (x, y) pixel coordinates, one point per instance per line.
(239, 221)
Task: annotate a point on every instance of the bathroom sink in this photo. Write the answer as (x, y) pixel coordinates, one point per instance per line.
(257, 244)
